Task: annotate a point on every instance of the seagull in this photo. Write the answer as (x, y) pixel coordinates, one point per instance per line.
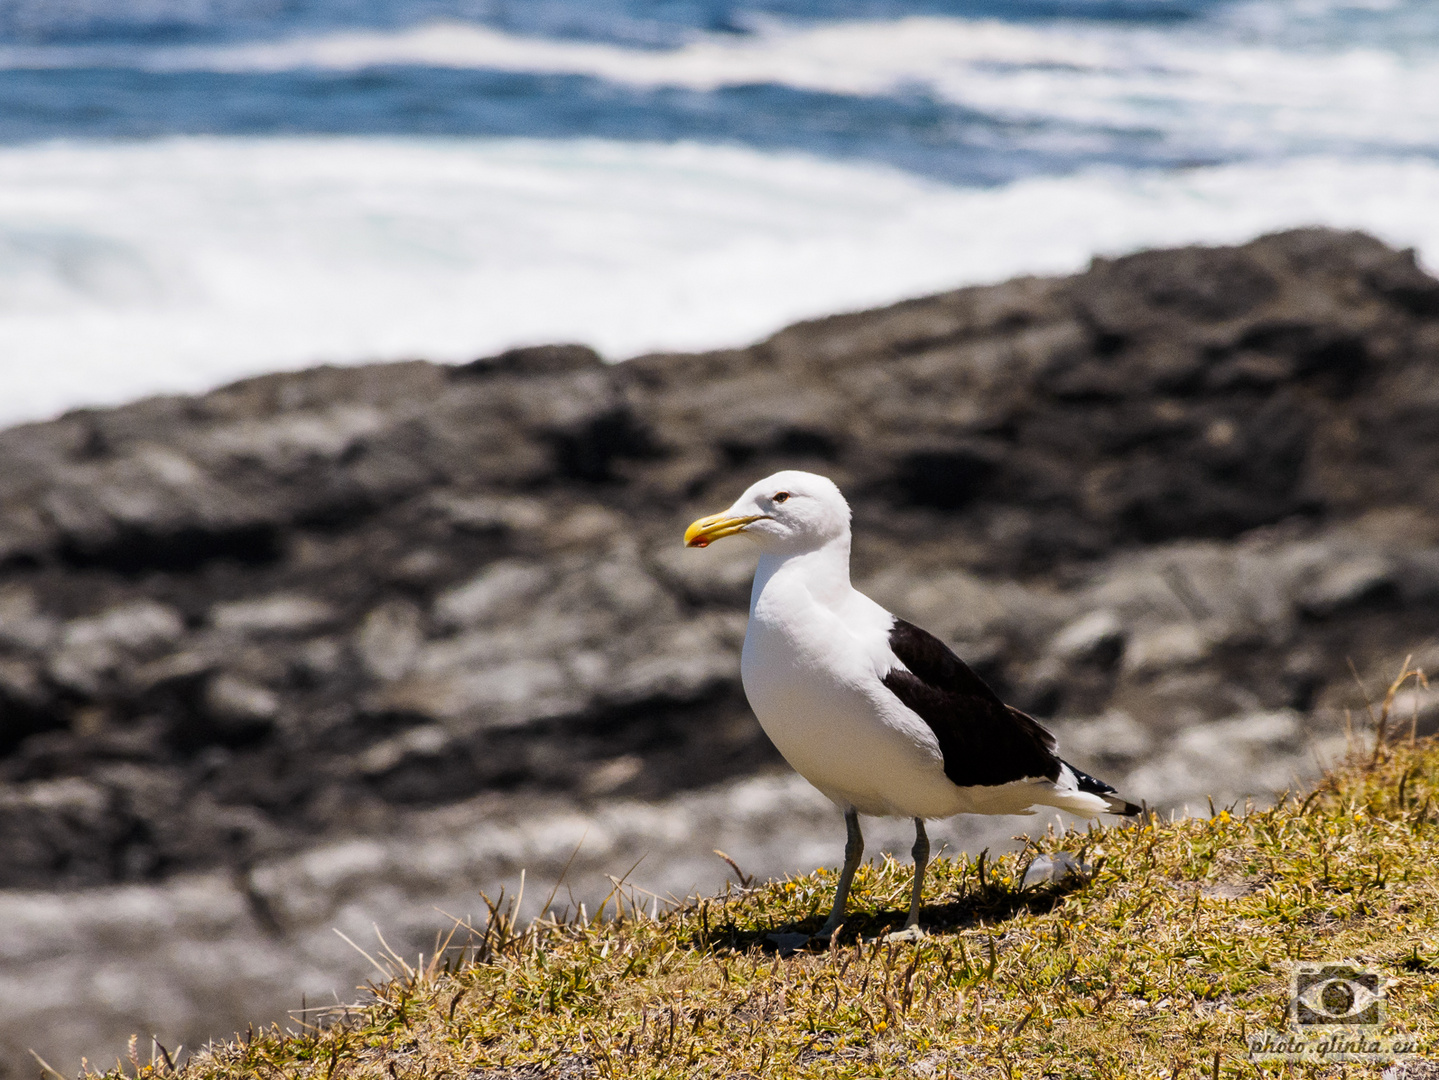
(879, 715)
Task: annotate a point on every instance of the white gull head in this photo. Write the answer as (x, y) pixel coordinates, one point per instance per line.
(788, 513)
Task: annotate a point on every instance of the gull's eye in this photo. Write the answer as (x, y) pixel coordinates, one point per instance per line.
(781, 496)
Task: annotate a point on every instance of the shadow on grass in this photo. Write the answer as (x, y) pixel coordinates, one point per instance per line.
(991, 905)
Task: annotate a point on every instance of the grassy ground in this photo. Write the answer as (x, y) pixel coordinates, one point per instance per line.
(1177, 949)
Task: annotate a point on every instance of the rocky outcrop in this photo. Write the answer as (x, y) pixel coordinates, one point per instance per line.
(1181, 489)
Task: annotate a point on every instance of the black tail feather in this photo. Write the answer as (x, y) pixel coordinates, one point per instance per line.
(1092, 786)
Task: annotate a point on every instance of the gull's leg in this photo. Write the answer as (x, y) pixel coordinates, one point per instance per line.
(853, 852)
(920, 851)
(911, 931)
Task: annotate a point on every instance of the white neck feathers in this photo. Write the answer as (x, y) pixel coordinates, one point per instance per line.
(823, 571)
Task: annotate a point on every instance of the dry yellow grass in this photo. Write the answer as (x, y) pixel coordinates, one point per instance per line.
(1159, 966)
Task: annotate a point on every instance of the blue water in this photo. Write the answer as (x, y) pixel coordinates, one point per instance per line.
(631, 22)
(196, 189)
(913, 131)
(106, 69)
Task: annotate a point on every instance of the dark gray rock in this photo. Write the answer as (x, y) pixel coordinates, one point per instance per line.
(1172, 495)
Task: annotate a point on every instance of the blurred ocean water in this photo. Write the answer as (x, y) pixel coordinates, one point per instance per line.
(194, 190)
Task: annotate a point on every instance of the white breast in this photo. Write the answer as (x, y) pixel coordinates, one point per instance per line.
(812, 675)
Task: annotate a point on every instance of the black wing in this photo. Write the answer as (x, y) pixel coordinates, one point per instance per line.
(984, 741)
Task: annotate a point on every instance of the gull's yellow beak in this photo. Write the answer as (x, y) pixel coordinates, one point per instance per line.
(707, 530)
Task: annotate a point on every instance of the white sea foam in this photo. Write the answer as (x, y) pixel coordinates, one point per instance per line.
(178, 264)
(1205, 90)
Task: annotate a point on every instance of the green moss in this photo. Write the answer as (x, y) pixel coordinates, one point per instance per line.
(1178, 946)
